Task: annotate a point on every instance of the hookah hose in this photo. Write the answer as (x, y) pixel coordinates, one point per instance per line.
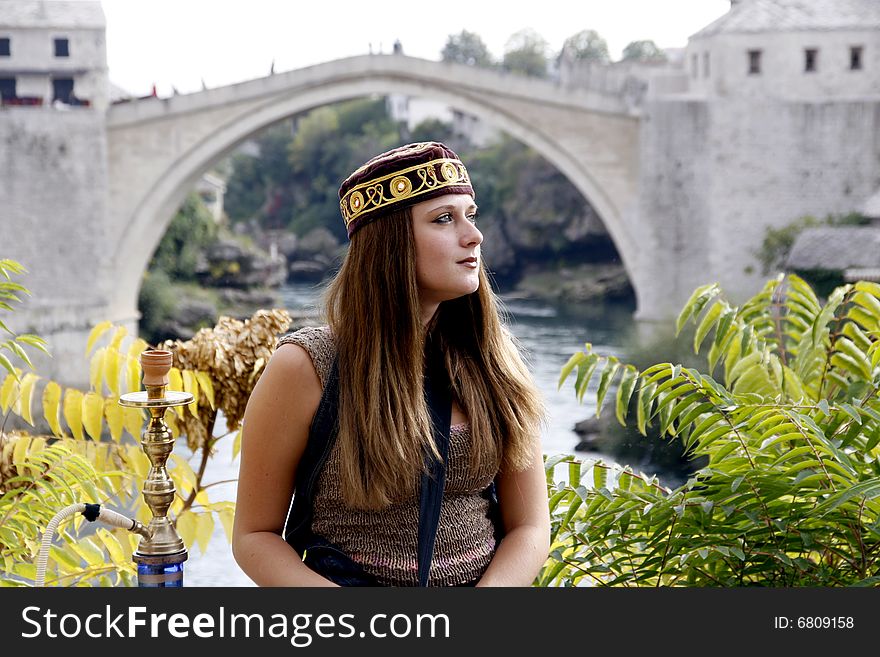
(92, 512)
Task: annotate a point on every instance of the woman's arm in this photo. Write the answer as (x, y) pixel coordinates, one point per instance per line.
(276, 430)
(525, 513)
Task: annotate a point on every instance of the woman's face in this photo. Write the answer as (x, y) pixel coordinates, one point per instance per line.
(447, 249)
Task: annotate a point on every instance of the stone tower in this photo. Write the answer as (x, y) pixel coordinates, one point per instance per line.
(53, 163)
(779, 117)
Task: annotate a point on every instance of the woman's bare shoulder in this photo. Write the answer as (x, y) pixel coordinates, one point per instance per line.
(292, 364)
(317, 342)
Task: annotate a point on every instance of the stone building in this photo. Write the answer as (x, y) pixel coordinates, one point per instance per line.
(54, 171)
(794, 50)
(776, 118)
(53, 52)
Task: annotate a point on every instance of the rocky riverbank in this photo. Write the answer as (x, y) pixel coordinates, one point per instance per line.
(242, 273)
(579, 283)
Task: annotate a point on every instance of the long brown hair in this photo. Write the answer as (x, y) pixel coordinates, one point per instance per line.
(373, 310)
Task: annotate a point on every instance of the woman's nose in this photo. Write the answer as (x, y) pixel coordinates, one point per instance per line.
(472, 235)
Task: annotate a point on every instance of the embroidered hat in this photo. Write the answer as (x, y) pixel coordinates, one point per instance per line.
(401, 177)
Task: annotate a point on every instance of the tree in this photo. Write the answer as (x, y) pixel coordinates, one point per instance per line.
(190, 232)
(433, 130)
(466, 48)
(40, 475)
(791, 492)
(643, 51)
(526, 53)
(330, 143)
(587, 45)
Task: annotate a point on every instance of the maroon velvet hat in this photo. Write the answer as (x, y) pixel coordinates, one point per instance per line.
(401, 177)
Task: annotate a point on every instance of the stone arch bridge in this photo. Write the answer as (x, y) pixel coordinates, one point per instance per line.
(144, 156)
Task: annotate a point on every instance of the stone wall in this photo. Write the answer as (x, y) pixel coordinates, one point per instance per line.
(715, 175)
(53, 220)
(673, 208)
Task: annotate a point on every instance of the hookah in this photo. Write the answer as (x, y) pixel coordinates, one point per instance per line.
(161, 552)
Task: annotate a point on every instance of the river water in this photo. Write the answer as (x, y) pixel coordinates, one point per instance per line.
(549, 334)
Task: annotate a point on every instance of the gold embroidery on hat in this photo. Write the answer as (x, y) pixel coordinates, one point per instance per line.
(399, 186)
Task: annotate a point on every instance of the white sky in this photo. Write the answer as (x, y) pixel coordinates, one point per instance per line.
(182, 42)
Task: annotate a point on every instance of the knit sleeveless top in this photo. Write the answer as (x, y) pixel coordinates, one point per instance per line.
(385, 542)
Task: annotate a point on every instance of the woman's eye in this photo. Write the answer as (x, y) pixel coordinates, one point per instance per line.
(473, 217)
(443, 218)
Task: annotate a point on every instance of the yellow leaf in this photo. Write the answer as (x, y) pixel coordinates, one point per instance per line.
(132, 374)
(96, 369)
(73, 411)
(227, 516)
(171, 421)
(115, 419)
(133, 421)
(187, 527)
(117, 553)
(202, 498)
(137, 347)
(111, 371)
(133, 364)
(118, 336)
(206, 386)
(8, 392)
(27, 392)
(204, 530)
(138, 461)
(96, 454)
(125, 540)
(66, 562)
(236, 443)
(96, 333)
(144, 515)
(175, 382)
(19, 453)
(191, 385)
(51, 406)
(90, 553)
(183, 472)
(92, 414)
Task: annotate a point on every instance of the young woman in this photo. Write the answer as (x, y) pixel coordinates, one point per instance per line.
(407, 431)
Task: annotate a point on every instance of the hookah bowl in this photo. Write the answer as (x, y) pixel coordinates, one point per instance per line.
(160, 557)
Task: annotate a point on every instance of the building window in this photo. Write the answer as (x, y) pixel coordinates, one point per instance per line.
(695, 66)
(705, 65)
(4, 47)
(62, 48)
(754, 62)
(7, 89)
(855, 58)
(62, 90)
(811, 60)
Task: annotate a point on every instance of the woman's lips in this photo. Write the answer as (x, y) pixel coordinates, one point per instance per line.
(468, 262)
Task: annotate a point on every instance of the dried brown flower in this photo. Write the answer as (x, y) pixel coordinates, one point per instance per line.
(234, 354)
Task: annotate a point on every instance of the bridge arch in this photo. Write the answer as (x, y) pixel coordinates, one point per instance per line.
(149, 216)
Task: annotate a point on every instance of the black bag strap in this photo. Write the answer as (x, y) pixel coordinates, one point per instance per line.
(438, 395)
(322, 436)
